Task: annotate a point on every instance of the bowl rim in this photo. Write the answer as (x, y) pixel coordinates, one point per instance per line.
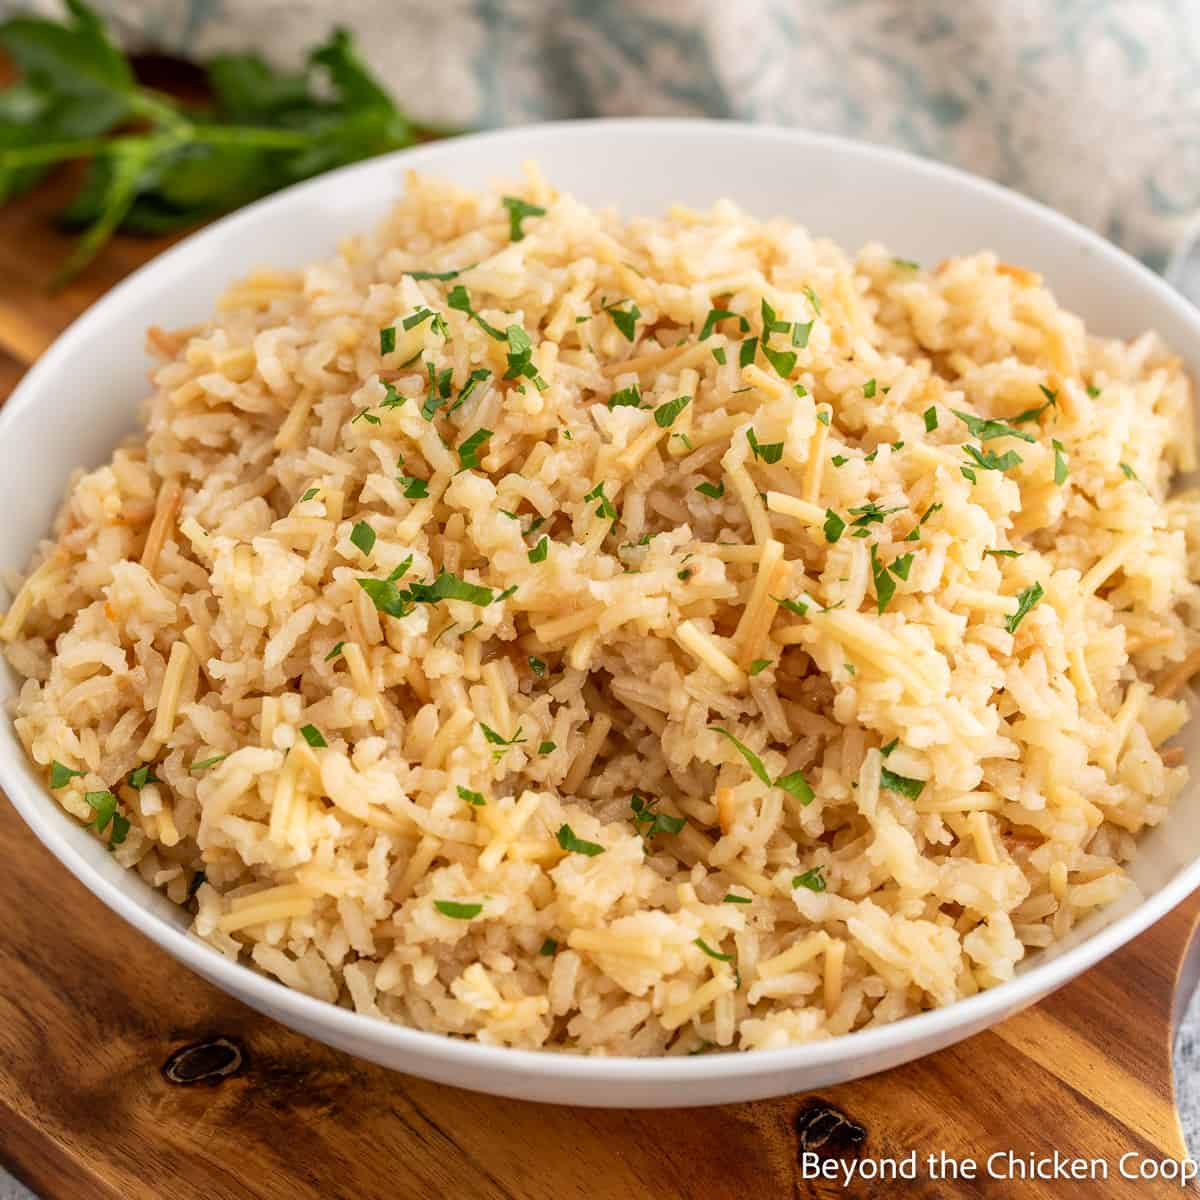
(273, 997)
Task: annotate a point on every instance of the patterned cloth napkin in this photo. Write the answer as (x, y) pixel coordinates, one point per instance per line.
(1092, 106)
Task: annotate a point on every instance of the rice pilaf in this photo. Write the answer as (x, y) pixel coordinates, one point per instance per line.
(626, 636)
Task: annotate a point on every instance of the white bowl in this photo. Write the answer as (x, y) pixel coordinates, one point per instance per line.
(84, 394)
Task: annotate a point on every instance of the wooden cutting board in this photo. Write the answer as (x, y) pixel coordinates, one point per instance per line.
(95, 1100)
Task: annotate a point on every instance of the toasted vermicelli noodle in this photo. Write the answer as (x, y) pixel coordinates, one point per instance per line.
(665, 634)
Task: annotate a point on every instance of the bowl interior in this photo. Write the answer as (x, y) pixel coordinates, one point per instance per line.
(86, 391)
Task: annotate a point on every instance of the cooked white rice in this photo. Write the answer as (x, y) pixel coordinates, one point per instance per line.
(517, 820)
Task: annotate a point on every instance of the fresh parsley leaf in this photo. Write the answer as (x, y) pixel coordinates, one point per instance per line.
(625, 319)
(61, 775)
(576, 845)
(1026, 600)
(665, 414)
(796, 785)
(811, 879)
(812, 298)
(799, 607)
(783, 361)
(985, 429)
(1129, 473)
(313, 736)
(104, 805)
(1093, 391)
(546, 747)
(456, 910)
(459, 299)
(931, 418)
(824, 416)
(901, 566)
(387, 597)
(731, 898)
(337, 649)
(839, 460)
(605, 507)
(914, 534)
(478, 376)
(140, 776)
(468, 452)
(714, 491)
(539, 552)
(630, 397)
(537, 667)
(759, 665)
(494, 739)
(649, 822)
(755, 763)
(520, 357)
(886, 750)
(1061, 470)
(770, 452)
(204, 764)
(869, 389)
(363, 536)
(387, 339)
(1003, 553)
(969, 475)
(748, 350)
(442, 276)
(549, 948)
(475, 798)
(311, 494)
(518, 210)
(906, 264)
(901, 784)
(718, 353)
(1032, 414)
(989, 460)
(801, 331)
(414, 488)
(721, 314)
(885, 585)
(834, 526)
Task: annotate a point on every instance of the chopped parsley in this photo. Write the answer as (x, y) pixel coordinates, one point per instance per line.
(812, 879)
(468, 452)
(931, 418)
(309, 495)
(630, 397)
(886, 750)
(885, 585)
(475, 798)
(313, 736)
(61, 775)
(518, 210)
(985, 429)
(457, 911)
(869, 389)
(399, 602)
(731, 898)
(1093, 391)
(969, 475)
(546, 747)
(799, 607)
(1032, 414)
(494, 739)
(747, 351)
(366, 415)
(1061, 470)
(800, 333)
(421, 316)
(539, 552)
(337, 649)
(442, 276)
(549, 948)
(834, 526)
(363, 536)
(901, 566)
(989, 460)
(387, 340)
(537, 667)
(204, 764)
(914, 534)
(438, 391)
(1026, 601)
(1002, 553)
(795, 783)
(576, 845)
(839, 460)
(1129, 472)
(391, 397)
(718, 352)
(770, 452)
(414, 488)
(721, 314)
(783, 361)
(906, 264)
(625, 319)
(711, 952)
(140, 776)
(104, 805)
(911, 788)
(605, 508)
(520, 357)
(460, 300)
(759, 665)
(812, 298)
(714, 491)
(665, 414)
(649, 822)
(478, 376)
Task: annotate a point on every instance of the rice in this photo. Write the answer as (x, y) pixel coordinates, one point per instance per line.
(630, 650)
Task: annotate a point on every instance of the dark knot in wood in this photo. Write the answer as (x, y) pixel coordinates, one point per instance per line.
(209, 1062)
(825, 1130)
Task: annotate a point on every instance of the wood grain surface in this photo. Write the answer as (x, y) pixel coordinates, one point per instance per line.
(92, 1014)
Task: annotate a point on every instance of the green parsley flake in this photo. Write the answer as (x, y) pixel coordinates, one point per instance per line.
(812, 298)
(104, 805)
(1026, 601)
(714, 491)
(478, 376)
(605, 508)
(782, 361)
(468, 452)
(457, 911)
(387, 340)
(989, 460)
(546, 747)
(460, 300)
(800, 333)
(985, 429)
(520, 357)
(1093, 391)
(770, 452)
(140, 776)
(337, 649)
(731, 898)
(414, 488)
(1002, 553)
(799, 607)
(363, 536)
(1032, 414)
(576, 845)
(869, 389)
(537, 667)
(539, 552)
(718, 352)
(812, 879)
(711, 952)
(625, 319)
(755, 763)
(630, 397)
(969, 475)
(61, 775)
(886, 750)
(759, 665)
(885, 585)
(901, 784)
(311, 494)
(518, 210)
(747, 351)
(721, 314)
(665, 414)
(834, 526)
(650, 822)
(1061, 471)
(475, 798)
(204, 764)
(914, 534)
(549, 948)
(441, 276)
(313, 736)
(931, 418)
(906, 264)
(902, 565)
